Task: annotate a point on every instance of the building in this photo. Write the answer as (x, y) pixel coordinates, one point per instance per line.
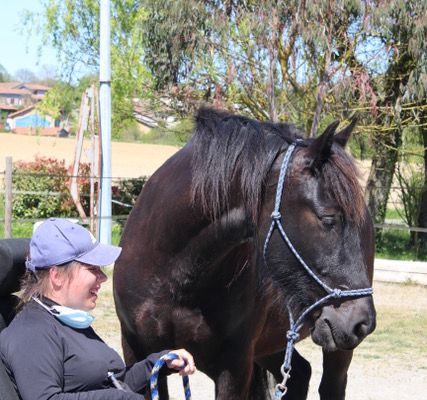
(16, 95)
(30, 122)
(18, 111)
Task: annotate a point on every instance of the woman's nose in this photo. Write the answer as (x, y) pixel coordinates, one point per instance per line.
(101, 276)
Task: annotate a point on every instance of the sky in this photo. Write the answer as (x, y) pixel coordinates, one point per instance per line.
(17, 51)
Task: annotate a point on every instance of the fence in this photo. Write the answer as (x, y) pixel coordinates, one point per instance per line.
(124, 206)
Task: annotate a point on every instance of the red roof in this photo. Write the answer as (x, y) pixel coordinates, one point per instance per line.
(9, 85)
(21, 88)
(34, 86)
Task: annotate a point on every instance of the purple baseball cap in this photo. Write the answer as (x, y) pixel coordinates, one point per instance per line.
(58, 241)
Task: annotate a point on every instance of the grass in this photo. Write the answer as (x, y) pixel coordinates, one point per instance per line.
(393, 245)
(394, 214)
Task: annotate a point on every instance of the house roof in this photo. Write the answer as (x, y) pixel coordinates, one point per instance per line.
(21, 88)
(8, 107)
(21, 112)
(9, 85)
(21, 92)
(34, 86)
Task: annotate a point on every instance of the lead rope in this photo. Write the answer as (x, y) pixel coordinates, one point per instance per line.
(292, 334)
(155, 375)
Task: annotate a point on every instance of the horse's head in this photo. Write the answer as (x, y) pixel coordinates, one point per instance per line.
(324, 216)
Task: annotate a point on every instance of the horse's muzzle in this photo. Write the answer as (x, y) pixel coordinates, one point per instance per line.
(345, 326)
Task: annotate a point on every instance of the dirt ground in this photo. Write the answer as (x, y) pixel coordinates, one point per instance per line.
(397, 374)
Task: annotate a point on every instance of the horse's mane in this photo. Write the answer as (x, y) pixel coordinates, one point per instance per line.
(227, 147)
(230, 149)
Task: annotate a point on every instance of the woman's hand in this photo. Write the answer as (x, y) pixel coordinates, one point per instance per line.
(184, 363)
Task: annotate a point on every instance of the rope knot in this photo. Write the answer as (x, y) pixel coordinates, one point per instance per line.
(276, 215)
(292, 335)
(337, 293)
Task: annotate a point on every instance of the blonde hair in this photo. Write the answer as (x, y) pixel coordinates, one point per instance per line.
(35, 283)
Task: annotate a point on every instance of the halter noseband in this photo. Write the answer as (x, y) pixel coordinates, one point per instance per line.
(292, 334)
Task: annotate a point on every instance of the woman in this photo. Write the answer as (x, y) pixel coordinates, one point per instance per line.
(49, 349)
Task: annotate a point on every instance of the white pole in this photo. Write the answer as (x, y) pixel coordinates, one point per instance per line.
(105, 123)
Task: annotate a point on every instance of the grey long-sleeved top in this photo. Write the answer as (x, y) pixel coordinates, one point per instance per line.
(49, 360)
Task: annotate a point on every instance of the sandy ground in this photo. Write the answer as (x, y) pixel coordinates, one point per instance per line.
(128, 160)
(397, 375)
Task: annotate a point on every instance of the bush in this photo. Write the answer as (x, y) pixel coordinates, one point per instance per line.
(124, 195)
(44, 184)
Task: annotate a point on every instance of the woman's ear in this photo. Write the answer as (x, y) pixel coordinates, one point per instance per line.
(56, 277)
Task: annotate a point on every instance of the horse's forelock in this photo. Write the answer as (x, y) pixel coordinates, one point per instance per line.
(342, 180)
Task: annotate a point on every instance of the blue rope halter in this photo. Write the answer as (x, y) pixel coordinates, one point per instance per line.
(292, 334)
(155, 375)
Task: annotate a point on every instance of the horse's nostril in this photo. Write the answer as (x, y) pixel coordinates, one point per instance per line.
(361, 330)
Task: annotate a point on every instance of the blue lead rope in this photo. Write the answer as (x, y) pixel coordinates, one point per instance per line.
(155, 375)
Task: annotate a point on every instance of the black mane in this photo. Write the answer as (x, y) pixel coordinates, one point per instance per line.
(230, 148)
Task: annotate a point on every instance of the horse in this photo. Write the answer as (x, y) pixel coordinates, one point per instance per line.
(227, 252)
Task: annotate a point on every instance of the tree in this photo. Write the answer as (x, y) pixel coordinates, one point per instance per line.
(298, 61)
(72, 28)
(4, 75)
(401, 29)
(25, 75)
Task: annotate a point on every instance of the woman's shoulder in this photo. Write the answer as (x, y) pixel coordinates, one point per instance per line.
(29, 321)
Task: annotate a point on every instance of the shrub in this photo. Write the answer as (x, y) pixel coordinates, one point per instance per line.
(41, 189)
(124, 195)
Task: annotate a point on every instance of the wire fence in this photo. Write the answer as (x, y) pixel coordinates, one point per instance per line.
(389, 224)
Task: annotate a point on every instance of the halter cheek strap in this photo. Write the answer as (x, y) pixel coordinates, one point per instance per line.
(292, 334)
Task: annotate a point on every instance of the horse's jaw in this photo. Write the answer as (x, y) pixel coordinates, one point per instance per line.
(344, 327)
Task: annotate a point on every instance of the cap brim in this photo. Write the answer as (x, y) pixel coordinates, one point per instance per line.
(101, 255)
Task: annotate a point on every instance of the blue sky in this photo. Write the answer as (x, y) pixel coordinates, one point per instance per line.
(16, 50)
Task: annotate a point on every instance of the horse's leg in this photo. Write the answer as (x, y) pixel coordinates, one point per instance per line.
(334, 378)
(130, 358)
(128, 352)
(300, 374)
(232, 372)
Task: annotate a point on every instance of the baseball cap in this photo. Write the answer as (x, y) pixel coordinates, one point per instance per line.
(58, 241)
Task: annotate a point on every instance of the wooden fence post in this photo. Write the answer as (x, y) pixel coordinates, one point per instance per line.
(8, 199)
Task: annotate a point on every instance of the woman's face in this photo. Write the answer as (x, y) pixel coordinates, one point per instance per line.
(80, 290)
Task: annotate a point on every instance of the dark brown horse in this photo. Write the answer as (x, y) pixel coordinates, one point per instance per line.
(200, 268)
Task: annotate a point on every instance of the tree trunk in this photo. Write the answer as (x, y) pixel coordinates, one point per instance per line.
(381, 173)
(422, 218)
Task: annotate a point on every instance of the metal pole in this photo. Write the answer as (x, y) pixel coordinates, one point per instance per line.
(8, 199)
(105, 117)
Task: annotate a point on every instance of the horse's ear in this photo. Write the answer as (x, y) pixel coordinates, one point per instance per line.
(320, 148)
(342, 137)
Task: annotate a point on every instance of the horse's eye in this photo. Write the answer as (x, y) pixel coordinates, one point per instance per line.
(328, 221)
